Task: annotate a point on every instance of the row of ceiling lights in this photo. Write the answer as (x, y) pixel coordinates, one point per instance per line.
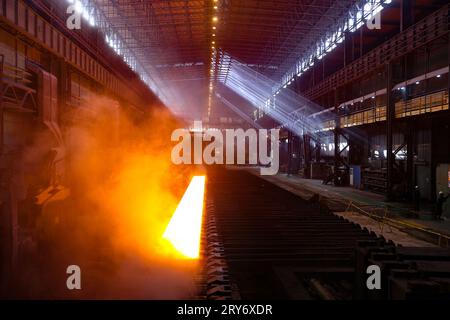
(215, 19)
(418, 82)
(367, 10)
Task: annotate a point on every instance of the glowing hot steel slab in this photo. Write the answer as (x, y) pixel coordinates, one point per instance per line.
(184, 228)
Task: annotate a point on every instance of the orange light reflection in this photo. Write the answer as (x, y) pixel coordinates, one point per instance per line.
(184, 229)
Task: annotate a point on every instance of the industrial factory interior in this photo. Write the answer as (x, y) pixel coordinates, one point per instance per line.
(232, 150)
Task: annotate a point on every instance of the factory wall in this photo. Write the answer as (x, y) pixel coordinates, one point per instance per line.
(49, 85)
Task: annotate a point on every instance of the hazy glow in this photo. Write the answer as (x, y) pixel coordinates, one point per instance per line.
(94, 13)
(287, 107)
(184, 228)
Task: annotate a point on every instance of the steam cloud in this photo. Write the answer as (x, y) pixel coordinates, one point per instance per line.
(120, 190)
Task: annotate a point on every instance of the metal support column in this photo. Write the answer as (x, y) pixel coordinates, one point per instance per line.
(433, 164)
(307, 153)
(390, 114)
(410, 147)
(289, 147)
(406, 14)
(318, 153)
(337, 130)
(2, 58)
(3, 213)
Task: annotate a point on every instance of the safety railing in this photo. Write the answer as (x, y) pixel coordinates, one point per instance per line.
(17, 92)
(385, 219)
(367, 116)
(433, 102)
(12, 73)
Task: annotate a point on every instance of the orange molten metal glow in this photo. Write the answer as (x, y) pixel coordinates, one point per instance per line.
(184, 229)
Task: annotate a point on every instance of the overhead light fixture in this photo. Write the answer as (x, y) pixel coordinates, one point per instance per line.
(438, 76)
(354, 19)
(215, 19)
(417, 82)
